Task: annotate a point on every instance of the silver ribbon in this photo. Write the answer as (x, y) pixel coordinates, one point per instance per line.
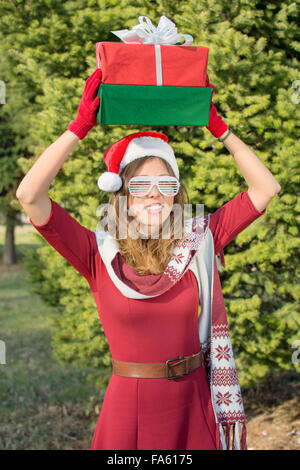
(146, 33)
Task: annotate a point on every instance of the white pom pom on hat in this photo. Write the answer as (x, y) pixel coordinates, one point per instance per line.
(128, 149)
(110, 181)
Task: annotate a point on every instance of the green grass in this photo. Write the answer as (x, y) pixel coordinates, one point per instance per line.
(43, 403)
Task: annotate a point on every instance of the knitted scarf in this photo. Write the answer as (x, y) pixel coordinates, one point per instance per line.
(195, 251)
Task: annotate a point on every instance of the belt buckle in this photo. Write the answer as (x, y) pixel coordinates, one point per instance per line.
(180, 359)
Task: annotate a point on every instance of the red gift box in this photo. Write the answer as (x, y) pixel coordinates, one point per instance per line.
(152, 64)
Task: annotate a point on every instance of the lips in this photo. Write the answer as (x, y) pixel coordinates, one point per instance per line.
(154, 209)
(154, 204)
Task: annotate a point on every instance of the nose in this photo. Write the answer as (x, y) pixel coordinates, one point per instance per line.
(154, 191)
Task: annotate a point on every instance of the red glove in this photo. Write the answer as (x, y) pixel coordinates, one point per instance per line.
(88, 106)
(216, 126)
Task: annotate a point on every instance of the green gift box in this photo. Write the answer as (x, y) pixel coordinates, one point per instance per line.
(154, 105)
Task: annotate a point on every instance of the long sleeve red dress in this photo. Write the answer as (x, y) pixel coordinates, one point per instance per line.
(148, 413)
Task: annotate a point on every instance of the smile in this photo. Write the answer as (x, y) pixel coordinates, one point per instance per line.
(154, 208)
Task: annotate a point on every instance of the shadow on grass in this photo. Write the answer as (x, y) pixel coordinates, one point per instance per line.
(276, 389)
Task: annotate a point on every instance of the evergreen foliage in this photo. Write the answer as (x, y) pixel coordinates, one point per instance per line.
(47, 50)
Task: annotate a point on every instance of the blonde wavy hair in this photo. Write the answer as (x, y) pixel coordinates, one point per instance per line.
(147, 256)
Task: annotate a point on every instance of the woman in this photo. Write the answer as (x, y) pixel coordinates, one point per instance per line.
(147, 287)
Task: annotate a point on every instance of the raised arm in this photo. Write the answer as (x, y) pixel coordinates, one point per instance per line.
(32, 192)
(262, 186)
(73, 241)
(235, 215)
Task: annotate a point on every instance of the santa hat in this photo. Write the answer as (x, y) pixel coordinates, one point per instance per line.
(128, 149)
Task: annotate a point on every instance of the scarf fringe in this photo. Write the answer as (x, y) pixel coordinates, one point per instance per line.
(232, 436)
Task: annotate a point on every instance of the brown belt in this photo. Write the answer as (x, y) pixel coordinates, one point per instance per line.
(171, 368)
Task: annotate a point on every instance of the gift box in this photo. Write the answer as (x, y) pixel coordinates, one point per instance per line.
(153, 84)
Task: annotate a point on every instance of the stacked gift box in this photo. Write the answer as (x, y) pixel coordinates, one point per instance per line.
(153, 84)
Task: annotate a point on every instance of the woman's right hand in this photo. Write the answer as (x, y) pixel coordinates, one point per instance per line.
(216, 126)
(88, 106)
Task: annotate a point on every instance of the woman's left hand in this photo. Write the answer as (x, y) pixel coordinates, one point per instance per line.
(216, 126)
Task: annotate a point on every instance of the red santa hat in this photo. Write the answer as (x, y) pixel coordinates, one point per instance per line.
(129, 148)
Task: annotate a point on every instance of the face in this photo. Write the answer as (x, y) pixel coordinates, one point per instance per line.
(140, 207)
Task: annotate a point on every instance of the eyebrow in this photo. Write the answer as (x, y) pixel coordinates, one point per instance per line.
(157, 175)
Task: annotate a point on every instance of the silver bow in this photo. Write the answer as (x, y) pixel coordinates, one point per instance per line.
(146, 33)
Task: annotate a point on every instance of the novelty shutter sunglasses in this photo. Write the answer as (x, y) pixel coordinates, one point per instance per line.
(142, 185)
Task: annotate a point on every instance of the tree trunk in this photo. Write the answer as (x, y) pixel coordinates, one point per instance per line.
(9, 251)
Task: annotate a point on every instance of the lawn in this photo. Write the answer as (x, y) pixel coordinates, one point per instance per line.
(44, 405)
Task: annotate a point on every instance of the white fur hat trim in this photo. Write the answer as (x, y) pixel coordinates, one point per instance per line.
(146, 146)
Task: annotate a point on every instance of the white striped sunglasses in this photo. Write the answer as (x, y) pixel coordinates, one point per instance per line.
(142, 185)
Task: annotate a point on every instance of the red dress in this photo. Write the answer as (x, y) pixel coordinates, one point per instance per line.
(147, 413)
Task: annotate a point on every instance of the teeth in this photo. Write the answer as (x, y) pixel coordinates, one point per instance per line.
(157, 206)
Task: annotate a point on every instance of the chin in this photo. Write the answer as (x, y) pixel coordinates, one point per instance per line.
(154, 222)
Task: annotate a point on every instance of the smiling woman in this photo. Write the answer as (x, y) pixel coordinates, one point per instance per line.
(174, 383)
(148, 252)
